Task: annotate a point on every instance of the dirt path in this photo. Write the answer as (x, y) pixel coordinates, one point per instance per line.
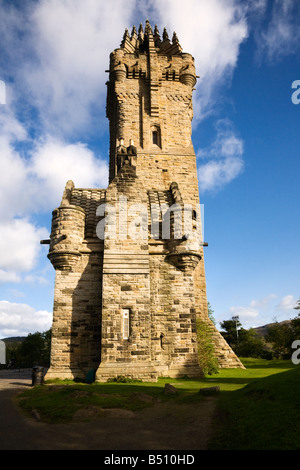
(161, 427)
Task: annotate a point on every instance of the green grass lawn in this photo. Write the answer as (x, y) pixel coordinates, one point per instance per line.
(264, 414)
(259, 407)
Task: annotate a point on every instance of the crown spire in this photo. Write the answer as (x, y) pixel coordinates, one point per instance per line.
(139, 41)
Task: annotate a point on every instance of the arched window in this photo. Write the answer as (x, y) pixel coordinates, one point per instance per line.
(155, 136)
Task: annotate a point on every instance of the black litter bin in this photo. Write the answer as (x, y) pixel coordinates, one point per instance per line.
(37, 375)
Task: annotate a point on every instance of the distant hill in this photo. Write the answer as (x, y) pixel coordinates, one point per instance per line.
(263, 330)
(14, 339)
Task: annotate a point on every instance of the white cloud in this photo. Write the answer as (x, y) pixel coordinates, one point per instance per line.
(263, 303)
(286, 304)
(36, 186)
(15, 191)
(10, 127)
(263, 311)
(35, 279)
(17, 319)
(245, 314)
(222, 161)
(8, 276)
(33, 185)
(54, 162)
(70, 42)
(36, 182)
(216, 174)
(281, 36)
(19, 245)
(213, 33)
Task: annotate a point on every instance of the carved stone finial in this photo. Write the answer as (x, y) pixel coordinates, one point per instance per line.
(67, 193)
(175, 38)
(165, 35)
(133, 32)
(125, 37)
(141, 33)
(134, 38)
(157, 39)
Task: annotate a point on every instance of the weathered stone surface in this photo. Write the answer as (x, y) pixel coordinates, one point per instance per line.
(123, 304)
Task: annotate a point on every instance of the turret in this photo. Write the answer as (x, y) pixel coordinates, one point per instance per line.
(67, 233)
(150, 78)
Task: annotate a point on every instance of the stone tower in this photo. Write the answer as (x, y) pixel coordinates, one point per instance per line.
(130, 279)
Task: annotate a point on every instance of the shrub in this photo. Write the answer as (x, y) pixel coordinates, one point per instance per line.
(121, 379)
(206, 350)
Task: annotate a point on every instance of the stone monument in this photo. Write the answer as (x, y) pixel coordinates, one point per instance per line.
(130, 278)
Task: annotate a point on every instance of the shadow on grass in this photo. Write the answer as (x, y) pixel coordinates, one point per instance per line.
(284, 365)
(57, 403)
(264, 415)
(60, 400)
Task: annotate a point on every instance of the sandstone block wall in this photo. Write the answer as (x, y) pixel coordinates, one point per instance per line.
(128, 305)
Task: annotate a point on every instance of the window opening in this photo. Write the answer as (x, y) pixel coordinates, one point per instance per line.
(156, 136)
(126, 323)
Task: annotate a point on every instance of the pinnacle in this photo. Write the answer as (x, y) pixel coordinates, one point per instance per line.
(175, 38)
(165, 35)
(133, 32)
(138, 41)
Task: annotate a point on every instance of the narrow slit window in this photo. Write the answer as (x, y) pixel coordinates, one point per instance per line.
(156, 136)
(126, 323)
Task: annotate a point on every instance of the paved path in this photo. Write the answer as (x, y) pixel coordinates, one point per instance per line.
(15, 379)
(158, 427)
(13, 426)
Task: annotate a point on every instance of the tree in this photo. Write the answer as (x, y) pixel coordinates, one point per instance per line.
(33, 350)
(245, 343)
(295, 323)
(250, 344)
(231, 327)
(281, 338)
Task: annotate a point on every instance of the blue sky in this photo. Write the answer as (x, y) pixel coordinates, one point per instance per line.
(53, 58)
